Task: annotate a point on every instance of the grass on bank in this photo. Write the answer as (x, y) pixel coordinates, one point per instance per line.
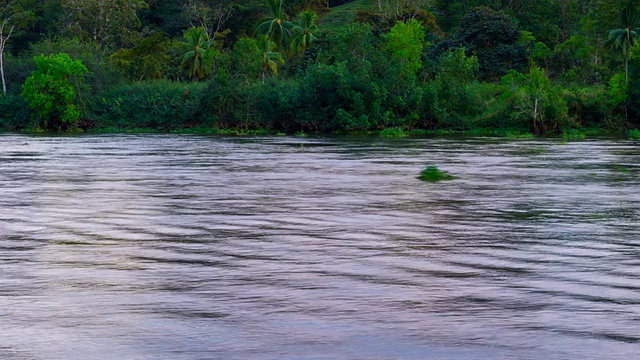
(393, 133)
(389, 133)
(573, 134)
(509, 133)
(193, 131)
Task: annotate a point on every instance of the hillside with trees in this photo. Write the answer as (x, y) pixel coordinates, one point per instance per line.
(548, 66)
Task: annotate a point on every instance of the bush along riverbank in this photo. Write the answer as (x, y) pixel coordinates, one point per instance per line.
(384, 73)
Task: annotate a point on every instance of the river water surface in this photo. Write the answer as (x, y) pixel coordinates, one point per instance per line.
(189, 247)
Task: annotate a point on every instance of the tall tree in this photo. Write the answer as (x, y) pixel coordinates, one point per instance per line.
(50, 91)
(406, 42)
(145, 60)
(211, 17)
(246, 58)
(277, 27)
(633, 88)
(493, 37)
(304, 29)
(270, 57)
(199, 53)
(629, 31)
(107, 22)
(12, 17)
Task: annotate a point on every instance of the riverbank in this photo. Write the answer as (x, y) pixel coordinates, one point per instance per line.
(389, 133)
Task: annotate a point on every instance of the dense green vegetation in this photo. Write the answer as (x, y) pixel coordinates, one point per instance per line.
(300, 66)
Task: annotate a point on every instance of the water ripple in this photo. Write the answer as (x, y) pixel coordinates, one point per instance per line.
(188, 247)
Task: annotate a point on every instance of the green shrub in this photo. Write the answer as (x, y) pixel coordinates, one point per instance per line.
(16, 71)
(456, 75)
(279, 106)
(634, 134)
(246, 58)
(101, 75)
(588, 106)
(14, 113)
(405, 41)
(433, 174)
(246, 104)
(511, 134)
(356, 86)
(162, 105)
(393, 133)
(633, 90)
(573, 134)
(533, 102)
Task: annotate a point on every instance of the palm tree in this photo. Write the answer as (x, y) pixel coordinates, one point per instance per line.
(199, 55)
(625, 37)
(277, 28)
(303, 30)
(270, 57)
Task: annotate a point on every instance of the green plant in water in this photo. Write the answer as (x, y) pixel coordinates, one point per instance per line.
(573, 134)
(393, 133)
(444, 132)
(433, 174)
(634, 134)
(518, 135)
(620, 168)
(301, 134)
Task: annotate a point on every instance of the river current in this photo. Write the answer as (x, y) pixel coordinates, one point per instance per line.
(193, 247)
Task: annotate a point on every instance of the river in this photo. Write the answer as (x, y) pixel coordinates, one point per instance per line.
(193, 247)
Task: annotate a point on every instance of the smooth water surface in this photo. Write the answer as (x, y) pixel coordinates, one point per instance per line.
(188, 247)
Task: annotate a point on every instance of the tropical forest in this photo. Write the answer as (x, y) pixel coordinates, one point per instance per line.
(393, 67)
(320, 179)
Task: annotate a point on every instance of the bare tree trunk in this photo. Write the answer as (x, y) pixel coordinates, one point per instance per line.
(198, 13)
(3, 43)
(535, 114)
(626, 69)
(4, 84)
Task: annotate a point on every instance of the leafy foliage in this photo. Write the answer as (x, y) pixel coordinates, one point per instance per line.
(304, 31)
(624, 37)
(277, 27)
(50, 91)
(146, 60)
(270, 57)
(633, 89)
(394, 64)
(108, 23)
(14, 113)
(100, 76)
(532, 100)
(160, 105)
(13, 17)
(493, 37)
(453, 84)
(406, 42)
(246, 58)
